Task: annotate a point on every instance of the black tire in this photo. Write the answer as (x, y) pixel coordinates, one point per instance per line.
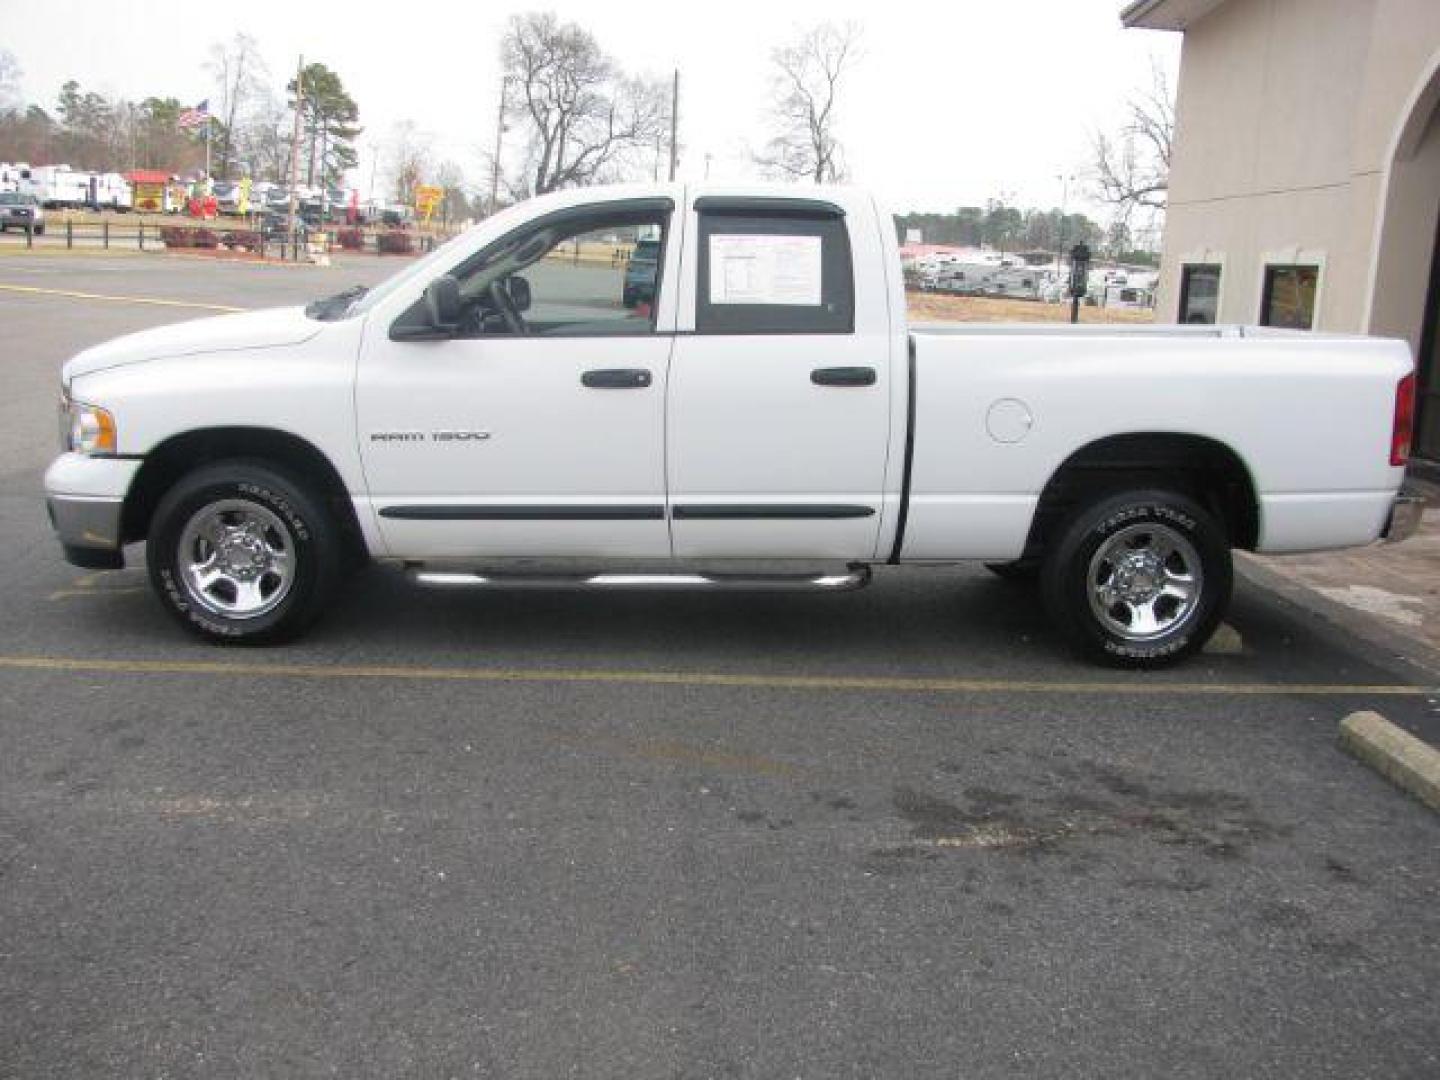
(1119, 544)
(281, 514)
(1019, 572)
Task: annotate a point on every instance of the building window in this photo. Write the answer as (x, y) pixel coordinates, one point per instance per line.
(1289, 297)
(1199, 293)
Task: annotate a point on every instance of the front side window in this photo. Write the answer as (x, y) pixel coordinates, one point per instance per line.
(1289, 297)
(599, 281)
(584, 274)
(774, 272)
(1199, 293)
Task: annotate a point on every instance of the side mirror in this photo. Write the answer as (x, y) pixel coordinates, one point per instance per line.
(519, 292)
(442, 303)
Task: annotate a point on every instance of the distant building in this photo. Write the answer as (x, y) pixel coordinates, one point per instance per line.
(1305, 178)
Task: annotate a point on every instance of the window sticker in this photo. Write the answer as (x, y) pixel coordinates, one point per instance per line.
(755, 269)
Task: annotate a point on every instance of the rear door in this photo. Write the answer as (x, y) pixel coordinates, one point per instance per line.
(778, 416)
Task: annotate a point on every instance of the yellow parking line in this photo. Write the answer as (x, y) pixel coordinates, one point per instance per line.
(152, 300)
(71, 594)
(844, 683)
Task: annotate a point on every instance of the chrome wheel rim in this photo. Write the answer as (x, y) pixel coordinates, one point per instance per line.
(237, 559)
(1144, 582)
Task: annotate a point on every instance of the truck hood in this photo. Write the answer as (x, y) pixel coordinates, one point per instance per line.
(222, 333)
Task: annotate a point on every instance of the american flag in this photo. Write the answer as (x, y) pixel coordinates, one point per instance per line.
(196, 117)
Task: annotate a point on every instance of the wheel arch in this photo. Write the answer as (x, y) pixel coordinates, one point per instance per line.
(1204, 468)
(183, 453)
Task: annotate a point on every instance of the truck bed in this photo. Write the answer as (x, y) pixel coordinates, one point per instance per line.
(1000, 408)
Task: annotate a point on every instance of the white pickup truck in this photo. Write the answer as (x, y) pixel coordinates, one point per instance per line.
(523, 408)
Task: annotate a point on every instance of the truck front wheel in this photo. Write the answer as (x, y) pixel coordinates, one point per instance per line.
(241, 553)
(1139, 579)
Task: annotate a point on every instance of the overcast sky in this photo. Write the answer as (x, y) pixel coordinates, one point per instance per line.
(952, 103)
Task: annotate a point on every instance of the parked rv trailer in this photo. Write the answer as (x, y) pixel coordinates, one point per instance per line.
(1129, 289)
(109, 191)
(56, 186)
(10, 175)
(60, 186)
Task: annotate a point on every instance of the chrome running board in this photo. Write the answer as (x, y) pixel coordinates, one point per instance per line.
(856, 577)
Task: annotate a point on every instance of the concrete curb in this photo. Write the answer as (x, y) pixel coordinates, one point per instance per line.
(64, 252)
(1400, 757)
(1394, 640)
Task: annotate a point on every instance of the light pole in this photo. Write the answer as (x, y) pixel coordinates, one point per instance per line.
(499, 136)
(1065, 181)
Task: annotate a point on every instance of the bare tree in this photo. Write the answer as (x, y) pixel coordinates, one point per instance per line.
(9, 82)
(807, 81)
(1132, 166)
(456, 205)
(409, 155)
(241, 75)
(583, 116)
(262, 141)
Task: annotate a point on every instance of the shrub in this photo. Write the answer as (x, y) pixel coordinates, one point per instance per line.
(396, 243)
(350, 239)
(175, 237)
(243, 239)
(204, 238)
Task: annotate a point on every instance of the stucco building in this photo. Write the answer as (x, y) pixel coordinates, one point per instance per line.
(1305, 176)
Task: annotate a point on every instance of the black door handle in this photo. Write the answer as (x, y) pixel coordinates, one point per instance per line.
(617, 378)
(843, 376)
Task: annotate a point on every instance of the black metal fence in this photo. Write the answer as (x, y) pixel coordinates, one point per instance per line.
(224, 236)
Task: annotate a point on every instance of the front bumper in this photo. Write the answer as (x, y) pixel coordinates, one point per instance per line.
(85, 498)
(1404, 519)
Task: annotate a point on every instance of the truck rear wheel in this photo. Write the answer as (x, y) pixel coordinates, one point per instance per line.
(1140, 579)
(241, 553)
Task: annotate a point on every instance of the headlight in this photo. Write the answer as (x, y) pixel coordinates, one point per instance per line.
(86, 429)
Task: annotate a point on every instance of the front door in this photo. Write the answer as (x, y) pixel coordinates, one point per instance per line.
(537, 429)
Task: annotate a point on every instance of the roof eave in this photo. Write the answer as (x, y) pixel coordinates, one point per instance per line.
(1165, 14)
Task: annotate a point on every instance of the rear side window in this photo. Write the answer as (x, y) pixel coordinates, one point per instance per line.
(775, 272)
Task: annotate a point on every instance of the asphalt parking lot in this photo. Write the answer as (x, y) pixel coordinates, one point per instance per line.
(897, 833)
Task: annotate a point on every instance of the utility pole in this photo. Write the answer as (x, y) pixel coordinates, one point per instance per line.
(495, 159)
(674, 124)
(295, 146)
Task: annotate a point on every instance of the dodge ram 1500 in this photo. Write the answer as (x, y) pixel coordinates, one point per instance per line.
(741, 403)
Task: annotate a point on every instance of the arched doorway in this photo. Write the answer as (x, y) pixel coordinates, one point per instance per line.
(1405, 283)
(1427, 362)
